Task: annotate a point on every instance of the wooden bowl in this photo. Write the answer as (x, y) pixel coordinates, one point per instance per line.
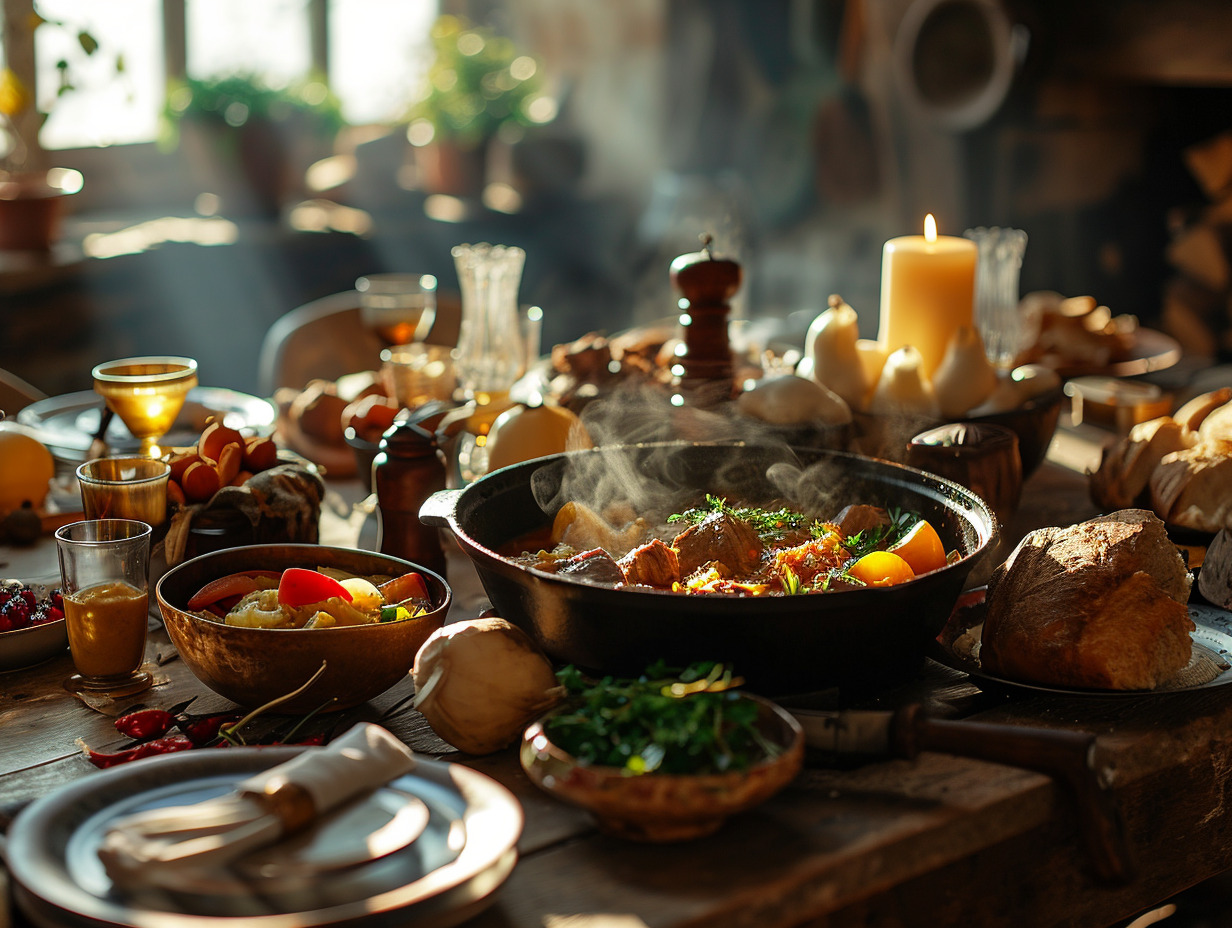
(665, 807)
(1034, 422)
(251, 666)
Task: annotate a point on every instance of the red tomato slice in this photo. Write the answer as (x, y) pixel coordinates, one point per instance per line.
(302, 587)
(232, 585)
(407, 586)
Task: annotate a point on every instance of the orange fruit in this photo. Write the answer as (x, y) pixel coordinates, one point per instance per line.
(881, 568)
(522, 433)
(26, 469)
(921, 547)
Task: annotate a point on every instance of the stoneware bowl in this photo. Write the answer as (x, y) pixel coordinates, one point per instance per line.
(665, 807)
(25, 647)
(251, 666)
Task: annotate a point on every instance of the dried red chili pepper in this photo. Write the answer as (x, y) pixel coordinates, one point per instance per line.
(168, 744)
(204, 729)
(145, 724)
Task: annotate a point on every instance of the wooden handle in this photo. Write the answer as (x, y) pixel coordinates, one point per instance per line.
(1070, 756)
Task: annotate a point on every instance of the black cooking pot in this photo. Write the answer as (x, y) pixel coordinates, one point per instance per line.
(780, 644)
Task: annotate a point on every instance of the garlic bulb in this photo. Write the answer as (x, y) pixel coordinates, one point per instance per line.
(830, 355)
(964, 379)
(479, 683)
(902, 389)
(792, 400)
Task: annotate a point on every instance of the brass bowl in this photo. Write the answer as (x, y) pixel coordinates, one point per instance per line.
(665, 807)
(251, 666)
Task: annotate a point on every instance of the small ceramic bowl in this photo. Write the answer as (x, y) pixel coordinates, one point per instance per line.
(252, 666)
(25, 647)
(664, 807)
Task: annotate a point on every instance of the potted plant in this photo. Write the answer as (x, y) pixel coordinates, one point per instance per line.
(477, 85)
(32, 195)
(250, 142)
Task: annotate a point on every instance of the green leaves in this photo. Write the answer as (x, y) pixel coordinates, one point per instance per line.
(771, 525)
(881, 537)
(683, 722)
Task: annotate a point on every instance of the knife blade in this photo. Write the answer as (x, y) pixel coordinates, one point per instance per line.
(1070, 756)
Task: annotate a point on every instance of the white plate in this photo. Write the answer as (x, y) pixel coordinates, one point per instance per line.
(466, 850)
(67, 424)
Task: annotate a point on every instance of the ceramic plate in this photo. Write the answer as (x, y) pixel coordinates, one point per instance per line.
(1151, 351)
(466, 849)
(67, 424)
(1211, 663)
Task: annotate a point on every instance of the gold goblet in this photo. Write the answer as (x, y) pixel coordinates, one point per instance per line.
(147, 394)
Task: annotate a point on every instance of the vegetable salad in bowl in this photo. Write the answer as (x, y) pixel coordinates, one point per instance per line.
(299, 597)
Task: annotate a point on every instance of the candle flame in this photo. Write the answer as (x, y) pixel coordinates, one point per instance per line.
(930, 228)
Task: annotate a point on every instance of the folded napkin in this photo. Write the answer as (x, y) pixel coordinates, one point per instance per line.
(172, 847)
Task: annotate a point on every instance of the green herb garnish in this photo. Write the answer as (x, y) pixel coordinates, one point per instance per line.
(684, 722)
(882, 536)
(769, 524)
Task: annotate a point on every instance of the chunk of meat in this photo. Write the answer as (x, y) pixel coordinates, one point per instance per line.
(860, 518)
(594, 566)
(652, 564)
(721, 538)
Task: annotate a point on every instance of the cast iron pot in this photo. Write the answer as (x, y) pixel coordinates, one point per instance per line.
(780, 644)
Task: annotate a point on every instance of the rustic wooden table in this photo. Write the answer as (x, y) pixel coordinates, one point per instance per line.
(939, 840)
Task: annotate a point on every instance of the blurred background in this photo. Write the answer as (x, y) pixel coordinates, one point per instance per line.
(237, 160)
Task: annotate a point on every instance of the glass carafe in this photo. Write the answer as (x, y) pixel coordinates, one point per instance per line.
(490, 356)
(998, 263)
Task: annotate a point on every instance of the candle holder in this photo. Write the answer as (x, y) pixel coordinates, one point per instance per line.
(998, 263)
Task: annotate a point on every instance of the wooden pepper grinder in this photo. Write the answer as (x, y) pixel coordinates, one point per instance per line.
(706, 285)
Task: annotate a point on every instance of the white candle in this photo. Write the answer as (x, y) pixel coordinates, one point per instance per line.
(927, 292)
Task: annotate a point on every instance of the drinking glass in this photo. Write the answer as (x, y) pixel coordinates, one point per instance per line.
(105, 571)
(998, 263)
(125, 488)
(399, 308)
(416, 373)
(147, 394)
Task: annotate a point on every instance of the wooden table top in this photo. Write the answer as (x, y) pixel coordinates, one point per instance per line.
(937, 840)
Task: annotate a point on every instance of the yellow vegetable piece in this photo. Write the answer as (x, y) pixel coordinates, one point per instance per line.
(921, 548)
(881, 568)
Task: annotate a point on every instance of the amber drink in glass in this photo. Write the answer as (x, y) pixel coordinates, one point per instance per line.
(147, 394)
(104, 567)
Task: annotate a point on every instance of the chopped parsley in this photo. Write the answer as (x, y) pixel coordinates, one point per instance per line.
(666, 721)
(771, 525)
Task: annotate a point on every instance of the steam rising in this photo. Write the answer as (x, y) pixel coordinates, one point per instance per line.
(656, 478)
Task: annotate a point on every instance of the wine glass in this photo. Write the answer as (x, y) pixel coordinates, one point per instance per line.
(147, 394)
(398, 308)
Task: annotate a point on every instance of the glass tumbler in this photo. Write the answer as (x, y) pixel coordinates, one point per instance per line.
(105, 571)
(998, 263)
(125, 488)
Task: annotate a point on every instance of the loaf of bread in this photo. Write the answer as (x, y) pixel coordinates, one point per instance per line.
(1100, 605)
(1180, 465)
(1193, 487)
(1126, 467)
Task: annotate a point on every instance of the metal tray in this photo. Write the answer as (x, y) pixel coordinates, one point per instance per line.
(67, 424)
(466, 850)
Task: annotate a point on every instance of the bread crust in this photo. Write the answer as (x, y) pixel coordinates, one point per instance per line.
(1100, 604)
(1193, 487)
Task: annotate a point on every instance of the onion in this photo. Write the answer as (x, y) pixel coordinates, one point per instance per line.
(480, 683)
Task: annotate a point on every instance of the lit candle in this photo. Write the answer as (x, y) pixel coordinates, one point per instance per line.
(927, 292)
